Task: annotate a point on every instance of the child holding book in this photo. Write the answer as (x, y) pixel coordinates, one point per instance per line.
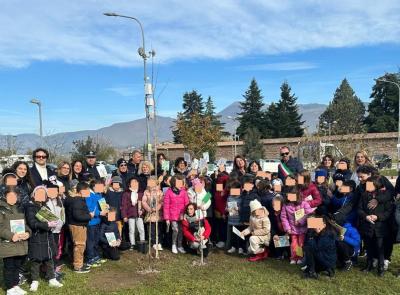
(197, 194)
(110, 239)
(41, 243)
(293, 216)
(277, 231)
(152, 203)
(175, 202)
(132, 211)
(260, 230)
(196, 229)
(114, 199)
(14, 235)
(348, 246)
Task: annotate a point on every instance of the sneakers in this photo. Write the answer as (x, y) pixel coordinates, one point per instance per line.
(155, 247)
(292, 261)
(20, 291)
(83, 269)
(160, 248)
(220, 245)
(34, 286)
(22, 279)
(299, 261)
(386, 264)
(181, 250)
(347, 265)
(174, 249)
(55, 284)
(241, 251)
(132, 247)
(232, 250)
(13, 291)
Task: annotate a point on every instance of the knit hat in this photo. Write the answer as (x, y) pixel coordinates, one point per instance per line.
(321, 172)
(338, 176)
(254, 205)
(277, 181)
(121, 161)
(116, 179)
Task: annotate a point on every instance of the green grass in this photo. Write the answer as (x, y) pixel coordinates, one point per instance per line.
(222, 275)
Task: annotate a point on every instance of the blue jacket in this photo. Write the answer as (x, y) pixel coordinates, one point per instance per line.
(339, 200)
(235, 218)
(92, 203)
(352, 237)
(294, 165)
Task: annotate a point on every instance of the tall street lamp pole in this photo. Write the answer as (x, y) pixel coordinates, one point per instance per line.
(39, 104)
(148, 93)
(398, 127)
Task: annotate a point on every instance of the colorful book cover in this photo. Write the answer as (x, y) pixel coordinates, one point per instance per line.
(17, 226)
(165, 166)
(111, 238)
(299, 214)
(282, 242)
(45, 215)
(103, 204)
(233, 208)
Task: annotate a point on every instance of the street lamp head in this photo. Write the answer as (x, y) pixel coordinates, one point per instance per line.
(141, 52)
(35, 101)
(110, 14)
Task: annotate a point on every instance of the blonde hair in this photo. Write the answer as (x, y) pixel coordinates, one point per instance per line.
(62, 163)
(364, 153)
(145, 163)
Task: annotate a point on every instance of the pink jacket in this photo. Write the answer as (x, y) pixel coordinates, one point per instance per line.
(312, 191)
(288, 220)
(174, 205)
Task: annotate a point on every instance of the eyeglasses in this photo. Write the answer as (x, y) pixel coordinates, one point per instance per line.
(41, 157)
(284, 154)
(66, 168)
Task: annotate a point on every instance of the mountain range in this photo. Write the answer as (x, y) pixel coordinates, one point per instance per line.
(133, 134)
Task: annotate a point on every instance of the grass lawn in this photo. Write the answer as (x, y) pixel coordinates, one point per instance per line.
(223, 274)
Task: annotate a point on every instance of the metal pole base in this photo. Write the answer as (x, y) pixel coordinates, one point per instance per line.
(199, 263)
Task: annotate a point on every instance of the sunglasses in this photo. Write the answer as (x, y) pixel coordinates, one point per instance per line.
(284, 154)
(122, 165)
(41, 157)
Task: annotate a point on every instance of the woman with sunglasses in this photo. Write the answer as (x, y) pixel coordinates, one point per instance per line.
(40, 171)
(122, 171)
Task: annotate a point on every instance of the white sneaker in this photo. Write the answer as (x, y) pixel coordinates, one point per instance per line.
(160, 248)
(13, 291)
(155, 247)
(232, 250)
(174, 249)
(20, 291)
(375, 263)
(292, 261)
(386, 264)
(220, 245)
(55, 284)
(241, 251)
(34, 286)
(181, 250)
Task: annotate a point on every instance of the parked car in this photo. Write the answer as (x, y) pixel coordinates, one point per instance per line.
(382, 161)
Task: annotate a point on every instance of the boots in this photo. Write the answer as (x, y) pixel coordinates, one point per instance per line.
(368, 267)
(260, 256)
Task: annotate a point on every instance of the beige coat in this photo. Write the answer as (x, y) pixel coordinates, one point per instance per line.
(260, 226)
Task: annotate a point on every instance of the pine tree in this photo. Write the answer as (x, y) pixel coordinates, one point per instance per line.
(215, 119)
(285, 115)
(252, 114)
(271, 119)
(383, 113)
(346, 109)
(253, 147)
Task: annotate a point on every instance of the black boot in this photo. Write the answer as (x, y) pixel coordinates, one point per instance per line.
(368, 267)
(381, 271)
(331, 272)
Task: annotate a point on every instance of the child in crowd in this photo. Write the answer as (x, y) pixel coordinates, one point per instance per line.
(13, 240)
(308, 190)
(277, 229)
(320, 250)
(78, 217)
(175, 202)
(219, 203)
(260, 230)
(295, 227)
(348, 246)
(152, 203)
(197, 194)
(114, 199)
(249, 193)
(41, 243)
(196, 229)
(110, 238)
(232, 208)
(341, 197)
(321, 181)
(132, 212)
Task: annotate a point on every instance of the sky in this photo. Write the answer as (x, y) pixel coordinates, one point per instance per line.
(85, 69)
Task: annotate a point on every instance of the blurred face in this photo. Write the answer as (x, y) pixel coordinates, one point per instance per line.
(134, 185)
(285, 154)
(360, 159)
(145, 169)
(137, 158)
(123, 167)
(115, 186)
(240, 163)
(77, 167)
(181, 165)
(327, 162)
(190, 210)
(319, 229)
(254, 167)
(91, 161)
(21, 171)
(161, 159)
(65, 169)
(363, 177)
(41, 158)
(11, 198)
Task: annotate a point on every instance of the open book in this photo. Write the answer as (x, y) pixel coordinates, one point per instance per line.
(45, 215)
(111, 238)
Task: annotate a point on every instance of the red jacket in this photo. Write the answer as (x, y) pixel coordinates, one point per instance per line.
(189, 235)
(221, 197)
(313, 191)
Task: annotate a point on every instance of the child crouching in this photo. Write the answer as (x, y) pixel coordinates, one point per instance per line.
(196, 229)
(260, 230)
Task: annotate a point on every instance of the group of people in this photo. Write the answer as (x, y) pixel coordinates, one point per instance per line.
(321, 220)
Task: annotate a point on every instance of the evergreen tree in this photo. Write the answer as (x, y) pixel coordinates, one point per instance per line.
(215, 119)
(383, 113)
(346, 109)
(253, 147)
(271, 119)
(284, 117)
(252, 114)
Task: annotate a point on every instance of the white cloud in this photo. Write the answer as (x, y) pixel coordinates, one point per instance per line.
(76, 31)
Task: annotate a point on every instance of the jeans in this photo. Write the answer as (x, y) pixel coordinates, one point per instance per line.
(176, 233)
(11, 268)
(92, 242)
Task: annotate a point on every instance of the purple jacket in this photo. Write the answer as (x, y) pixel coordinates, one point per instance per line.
(174, 205)
(288, 220)
(127, 209)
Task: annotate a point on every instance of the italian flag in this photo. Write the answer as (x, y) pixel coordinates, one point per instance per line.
(285, 171)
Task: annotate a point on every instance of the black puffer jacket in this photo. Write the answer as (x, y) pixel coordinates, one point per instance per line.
(247, 197)
(41, 242)
(77, 212)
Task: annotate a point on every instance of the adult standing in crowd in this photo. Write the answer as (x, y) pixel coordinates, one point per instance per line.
(328, 164)
(181, 166)
(133, 163)
(254, 167)
(122, 171)
(360, 159)
(77, 170)
(91, 165)
(239, 166)
(24, 181)
(64, 173)
(160, 160)
(289, 165)
(145, 169)
(40, 172)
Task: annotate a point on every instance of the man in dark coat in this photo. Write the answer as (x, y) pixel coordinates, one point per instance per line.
(40, 172)
(133, 164)
(90, 165)
(289, 165)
